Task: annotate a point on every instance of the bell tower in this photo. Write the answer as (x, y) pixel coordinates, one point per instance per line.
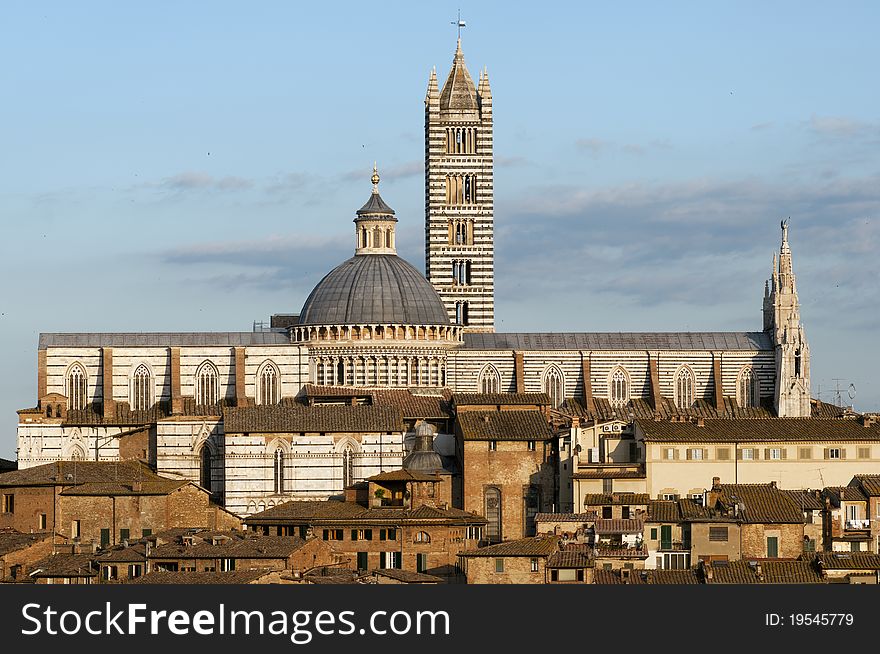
(782, 321)
(459, 196)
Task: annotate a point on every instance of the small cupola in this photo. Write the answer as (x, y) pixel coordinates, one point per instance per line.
(374, 225)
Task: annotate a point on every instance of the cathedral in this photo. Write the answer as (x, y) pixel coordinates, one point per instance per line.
(333, 394)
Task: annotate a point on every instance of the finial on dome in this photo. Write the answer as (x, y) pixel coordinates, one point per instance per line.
(375, 178)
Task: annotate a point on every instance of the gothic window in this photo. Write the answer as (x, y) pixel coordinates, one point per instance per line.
(268, 384)
(554, 385)
(207, 384)
(747, 388)
(205, 469)
(461, 313)
(422, 537)
(340, 373)
(490, 380)
(347, 467)
(77, 454)
(684, 388)
(77, 387)
(619, 387)
(279, 471)
(797, 362)
(531, 506)
(493, 514)
(141, 389)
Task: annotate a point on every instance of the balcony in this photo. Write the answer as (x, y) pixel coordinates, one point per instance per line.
(674, 546)
(857, 524)
(612, 552)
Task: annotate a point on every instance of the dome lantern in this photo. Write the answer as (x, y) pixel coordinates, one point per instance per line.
(374, 224)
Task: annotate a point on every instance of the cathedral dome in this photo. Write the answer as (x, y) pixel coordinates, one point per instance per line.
(374, 289)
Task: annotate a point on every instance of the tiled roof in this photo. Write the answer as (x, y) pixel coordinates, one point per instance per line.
(331, 418)
(420, 404)
(691, 510)
(12, 540)
(733, 572)
(764, 504)
(479, 399)
(64, 565)
(663, 511)
(107, 489)
(837, 494)
(135, 553)
(607, 577)
(676, 341)
(189, 578)
(619, 526)
(669, 577)
(504, 425)
(570, 559)
(70, 473)
(403, 475)
(848, 560)
(764, 572)
(408, 576)
(6, 465)
(870, 484)
(790, 572)
(602, 499)
(641, 408)
(587, 516)
(162, 339)
(349, 512)
(533, 546)
(808, 500)
(236, 547)
(775, 430)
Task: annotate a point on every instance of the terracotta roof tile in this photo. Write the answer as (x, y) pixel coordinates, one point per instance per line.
(763, 504)
(333, 418)
(775, 430)
(504, 425)
(331, 511)
(190, 578)
(602, 499)
(663, 511)
(408, 576)
(870, 484)
(570, 559)
(848, 560)
(533, 546)
(480, 399)
(619, 526)
(234, 546)
(64, 565)
(70, 473)
(587, 516)
(12, 540)
(403, 475)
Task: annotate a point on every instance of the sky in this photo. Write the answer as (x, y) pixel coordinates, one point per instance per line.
(170, 166)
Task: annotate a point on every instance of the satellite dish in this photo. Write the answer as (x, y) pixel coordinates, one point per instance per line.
(852, 391)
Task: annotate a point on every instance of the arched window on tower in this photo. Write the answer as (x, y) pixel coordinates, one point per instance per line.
(279, 471)
(747, 389)
(490, 380)
(141, 389)
(77, 387)
(493, 514)
(268, 384)
(340, 373)
(684, 388)
(619, 388)
(797, 362)
(207, 384)
(531, 507)
(554, 385)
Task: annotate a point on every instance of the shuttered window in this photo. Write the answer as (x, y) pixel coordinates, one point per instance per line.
(718, 534)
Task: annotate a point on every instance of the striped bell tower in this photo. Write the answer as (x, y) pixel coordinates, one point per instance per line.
(459, 196)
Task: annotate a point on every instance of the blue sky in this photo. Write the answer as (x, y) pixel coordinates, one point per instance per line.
(196, 166)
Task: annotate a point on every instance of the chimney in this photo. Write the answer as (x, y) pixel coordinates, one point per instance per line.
(773, 484)
(701, 422)
(716, 483)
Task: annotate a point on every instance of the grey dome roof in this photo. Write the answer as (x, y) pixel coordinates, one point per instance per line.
(374, 289)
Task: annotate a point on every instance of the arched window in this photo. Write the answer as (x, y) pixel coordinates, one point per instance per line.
(347, 467)
(493, 514)
(490, 380)
(141, 389)
(207, 384)
(267, 388)
(618, 387)
(77, 387)
(279, 471)
(205, 469)
(554, 385)
(747, 389)
(684, 388)
(77, 454)
(422, 537)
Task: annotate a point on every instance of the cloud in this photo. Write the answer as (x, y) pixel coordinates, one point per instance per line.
(592, 145)
(510, 162)
(698, 243)
(837, 126)
(286, 183)
(760, 127)
(193, 180)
